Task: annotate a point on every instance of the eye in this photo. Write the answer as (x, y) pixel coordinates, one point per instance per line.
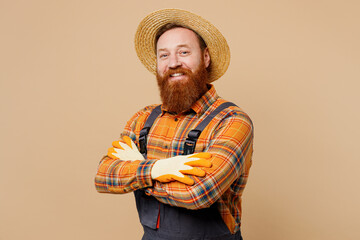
(162, 54)
(184, 53)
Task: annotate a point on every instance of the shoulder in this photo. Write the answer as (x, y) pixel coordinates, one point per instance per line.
(143, 113)
(234, 112)
(137, 121)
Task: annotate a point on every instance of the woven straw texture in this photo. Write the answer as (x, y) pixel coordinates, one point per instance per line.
(149, 26)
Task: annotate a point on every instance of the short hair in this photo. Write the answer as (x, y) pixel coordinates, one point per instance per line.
(170, 26)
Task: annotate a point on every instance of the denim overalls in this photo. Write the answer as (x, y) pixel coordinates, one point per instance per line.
(179, 223)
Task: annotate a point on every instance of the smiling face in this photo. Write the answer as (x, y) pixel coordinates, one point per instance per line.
(181, 69)
(179, 48)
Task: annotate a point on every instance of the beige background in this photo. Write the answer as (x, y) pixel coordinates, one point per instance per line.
(70, 80)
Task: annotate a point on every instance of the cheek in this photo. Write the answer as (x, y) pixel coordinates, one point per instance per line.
(193, 62)
(161, 68)
(193, 65)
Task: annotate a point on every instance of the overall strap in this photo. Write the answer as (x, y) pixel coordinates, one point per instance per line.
(146, 129)
(190, 142)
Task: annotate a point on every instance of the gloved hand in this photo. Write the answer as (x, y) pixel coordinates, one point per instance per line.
(172, 169)
(125, 151)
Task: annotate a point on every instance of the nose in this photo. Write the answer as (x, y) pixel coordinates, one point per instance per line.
(174, 61)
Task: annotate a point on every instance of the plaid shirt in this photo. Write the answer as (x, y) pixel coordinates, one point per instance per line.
(228, 137)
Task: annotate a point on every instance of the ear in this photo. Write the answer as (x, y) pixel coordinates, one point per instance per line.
(206, 57)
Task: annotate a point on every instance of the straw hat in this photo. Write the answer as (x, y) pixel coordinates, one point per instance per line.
(215, 41)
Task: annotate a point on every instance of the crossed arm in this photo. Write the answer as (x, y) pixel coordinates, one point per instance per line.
(230, 148)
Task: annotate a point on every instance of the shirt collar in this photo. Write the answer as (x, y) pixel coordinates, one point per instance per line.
(201, 105)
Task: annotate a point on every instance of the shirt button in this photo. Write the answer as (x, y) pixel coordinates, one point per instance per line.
(166, 146)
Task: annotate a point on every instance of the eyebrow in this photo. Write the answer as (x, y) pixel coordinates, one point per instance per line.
(179, 46)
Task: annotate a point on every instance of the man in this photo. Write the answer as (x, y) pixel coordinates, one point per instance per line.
(181, 195)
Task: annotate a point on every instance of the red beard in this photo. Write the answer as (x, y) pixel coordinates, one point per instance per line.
(179, 96)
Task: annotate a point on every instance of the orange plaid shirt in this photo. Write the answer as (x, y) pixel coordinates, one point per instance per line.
(228, 137)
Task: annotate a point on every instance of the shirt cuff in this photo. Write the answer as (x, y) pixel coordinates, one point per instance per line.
(143, 173)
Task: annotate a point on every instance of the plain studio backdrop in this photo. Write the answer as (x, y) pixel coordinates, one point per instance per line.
(70, 79)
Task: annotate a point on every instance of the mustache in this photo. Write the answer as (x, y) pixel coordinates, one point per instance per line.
(172, 71)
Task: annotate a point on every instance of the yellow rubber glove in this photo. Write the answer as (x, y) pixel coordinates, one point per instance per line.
(173, 169)
(125, 151)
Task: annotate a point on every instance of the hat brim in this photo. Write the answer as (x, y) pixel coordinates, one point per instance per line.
(215, 41)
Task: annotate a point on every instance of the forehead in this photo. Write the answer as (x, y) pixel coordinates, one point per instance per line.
(176, 37)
